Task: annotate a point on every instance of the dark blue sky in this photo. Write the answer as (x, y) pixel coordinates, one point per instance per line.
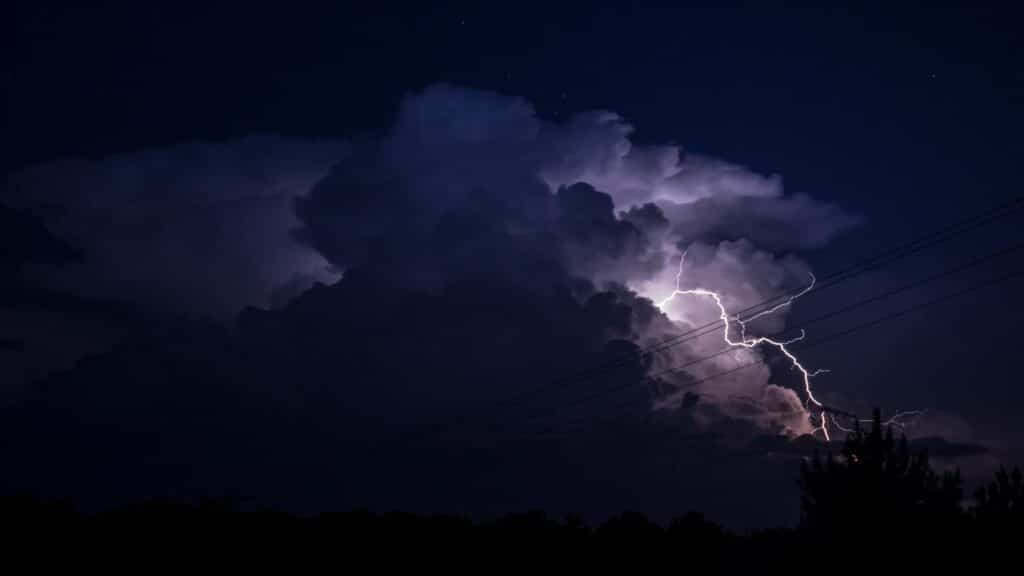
(888, 110)
(838, 98)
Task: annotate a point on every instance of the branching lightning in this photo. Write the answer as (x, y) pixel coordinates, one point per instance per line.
(747, 342)
(900, 420)
(825, 413)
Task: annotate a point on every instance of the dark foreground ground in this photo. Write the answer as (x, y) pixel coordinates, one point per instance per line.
(156, 535)
(876, 507)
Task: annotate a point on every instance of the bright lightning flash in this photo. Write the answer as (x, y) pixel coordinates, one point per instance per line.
(747, 342)
(900, 419)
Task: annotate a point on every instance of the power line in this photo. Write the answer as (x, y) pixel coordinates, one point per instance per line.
(902, 251)
(869, 300)
(867, 265)
(812, 344)
(872, 263)
(852, 306)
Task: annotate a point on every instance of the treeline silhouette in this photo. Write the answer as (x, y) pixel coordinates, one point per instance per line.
(875, 498)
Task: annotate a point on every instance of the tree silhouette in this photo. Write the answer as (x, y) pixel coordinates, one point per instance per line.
(877, 487)
(1000, 505)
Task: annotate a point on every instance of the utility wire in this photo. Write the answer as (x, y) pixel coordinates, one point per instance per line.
(901, 251)
(807, 346)
(866, 301)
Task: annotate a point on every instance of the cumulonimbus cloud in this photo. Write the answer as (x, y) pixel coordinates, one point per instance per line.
(460, 162)
(464, 184)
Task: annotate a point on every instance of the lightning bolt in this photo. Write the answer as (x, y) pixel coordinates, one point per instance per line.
(900, 419)
(747, 342)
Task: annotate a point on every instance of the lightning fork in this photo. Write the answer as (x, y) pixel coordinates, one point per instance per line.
(746, 342)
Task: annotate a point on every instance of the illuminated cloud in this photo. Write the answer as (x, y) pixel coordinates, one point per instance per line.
(465, 187)
(471, 182)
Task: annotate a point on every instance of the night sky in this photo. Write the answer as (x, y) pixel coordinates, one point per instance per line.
(318, 257)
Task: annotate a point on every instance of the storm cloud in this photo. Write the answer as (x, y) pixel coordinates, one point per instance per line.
(475, 182)
(424, 275)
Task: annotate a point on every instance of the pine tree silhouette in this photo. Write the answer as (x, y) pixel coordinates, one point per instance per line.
(876, 486)
(999, 506)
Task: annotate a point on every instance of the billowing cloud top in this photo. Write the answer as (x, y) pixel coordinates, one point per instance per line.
(453, 149)
(205, 227)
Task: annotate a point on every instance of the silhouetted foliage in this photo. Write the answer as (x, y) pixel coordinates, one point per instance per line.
(999, 506)
(876, 487)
